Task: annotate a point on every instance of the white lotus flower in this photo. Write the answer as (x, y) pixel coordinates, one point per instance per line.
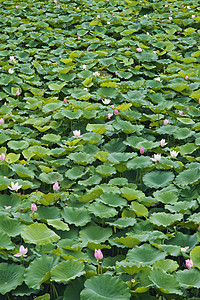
(162, 143)
(96, 73)
(15, 186)
(174, 154)
(10, 71)
(106, 101)
(157, 157)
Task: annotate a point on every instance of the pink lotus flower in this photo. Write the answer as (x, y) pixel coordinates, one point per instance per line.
(2, 121)
(98, 17)
(98, 254)
(186, 77)
(180, 112)
(55, 1)
(79, 38)
(22, 252)
(85, 89)
(77, 134)
(65, 100)
(96, 73)
(193, 16)
(188, 108)
(84, 67)
(189, 263)
(116, 72)
(33, 207)
(2, 157)
(116, 111)
(43, 91)
(139, 49)
(170, 18)
(166, 5)
(56, 186)
(165, 122)
(17, 93)
(109, 116)
(141, 150)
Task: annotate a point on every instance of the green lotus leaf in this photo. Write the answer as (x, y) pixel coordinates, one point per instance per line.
(53, 138)
(81, 158)
(122, 223)
(105, 287)
(39, 151)
(139, 209)
(145, 255)
(76, 216)
(195, 256)
(43, 297)
(164, 219)
(115, 145)
(113, 200)
(49, 107)
(139, 162)
(158, 179)
(166, 283)
(39, 234)
(168, 195)
(39, 271)
(189, 278)
(181, 207)
(95, 233)
(92, 137)
(188, 148)
(101, 210)
(74, 289)
(183, 240)
(118, 157)
(59, 225)
(132, 194)
(172, 250)
(70, 244)
(16, 145)
(76, 172)
(11, 275)
(101, 155)
(50, 178)
(118, 181)
(127, 267)
(72, 114)
(138, 142)
(11, 226)
(187, 177)
(195, 218)
(99, 128)
(107, 92)
(167, 265)
(56, 86)
(127, 126)
(92, 195)
(12, 157)
(106, 169)
(186, 121)
(183, 133)
(93, 180)
(22, 171)
(67, 270)
(6, 242)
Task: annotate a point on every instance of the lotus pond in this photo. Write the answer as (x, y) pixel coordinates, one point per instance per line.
(99, 150)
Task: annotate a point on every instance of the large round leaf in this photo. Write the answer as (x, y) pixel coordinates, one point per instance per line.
(158, 179)
(164, 219)
(76, 216)
(39, 271)
(94, 233)
(11, 275)
(189, 278)
(101, 210)
(67, 270)
(166, 283)
(195, 256)
(145, 255)
(187, 177)
(39, 234)
(50, 178)
(105, 287)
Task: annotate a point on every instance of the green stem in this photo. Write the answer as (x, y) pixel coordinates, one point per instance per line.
(98, 269)
(54, 290)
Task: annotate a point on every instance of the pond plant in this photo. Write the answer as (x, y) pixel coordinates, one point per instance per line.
(99, 149)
